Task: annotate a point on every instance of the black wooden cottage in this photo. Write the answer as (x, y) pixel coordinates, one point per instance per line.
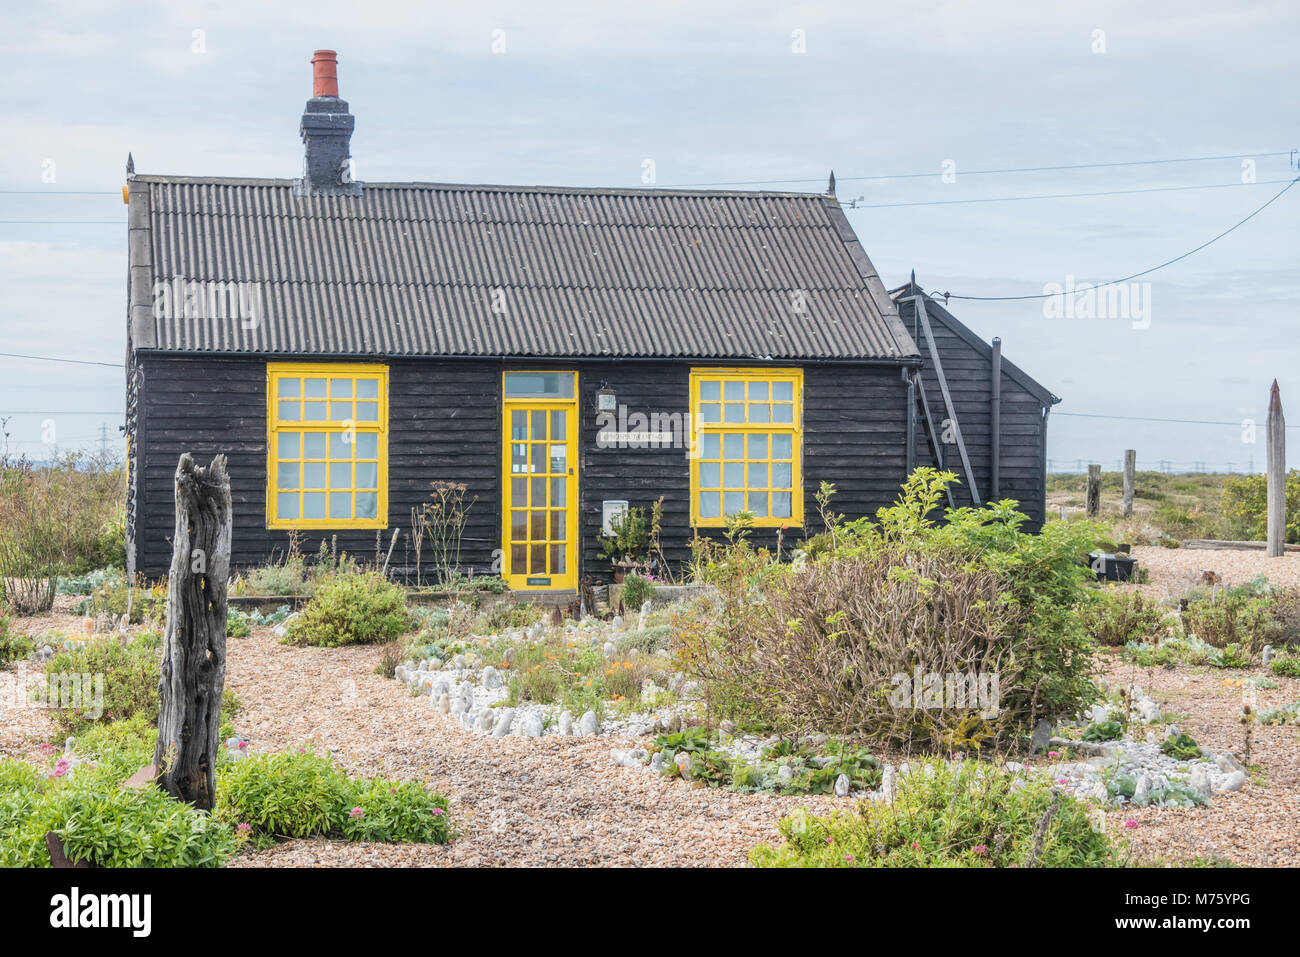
(559, 351)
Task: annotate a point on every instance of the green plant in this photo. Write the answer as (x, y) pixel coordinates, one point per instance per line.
(1115, 618)
(1182, 746)
(1233, 617)
(351, 608)
(1103, 731)
(289, 794)
(636, 591)
(962, 815)
(395, 811)
(13, 646)
(1245, 503)
(238, 624)
(628, 538)
(104, 679)
(1286, 665)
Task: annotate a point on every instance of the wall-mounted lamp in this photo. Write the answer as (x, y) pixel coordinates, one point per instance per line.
(606, 400)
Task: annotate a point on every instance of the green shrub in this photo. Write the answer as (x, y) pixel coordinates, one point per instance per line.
(636, 591)
(283, 795)
(237, 624)
(1103, 731)
(351, 608)
(1245, 504)
(289, 577)
(13, 646)
(100, 822)
(1232, 618)
(834, 644)
(1115, 618)
(396, 812)
(128, 673)
(962, 815)
(1288, 666)
(1181, 746)
(112, 597)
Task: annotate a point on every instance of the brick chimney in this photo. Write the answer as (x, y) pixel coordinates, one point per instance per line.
(326, 130)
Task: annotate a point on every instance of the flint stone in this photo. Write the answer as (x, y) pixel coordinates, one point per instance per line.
(566, 723)
(1234, 781)
(444, 703)
(1042, 735)
(491, 678)
(842, 786)
(484, 722)
(533, 725)
(588, 725)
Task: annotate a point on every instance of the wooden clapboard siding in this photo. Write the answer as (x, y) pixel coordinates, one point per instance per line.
(445, 425)
(967, 368)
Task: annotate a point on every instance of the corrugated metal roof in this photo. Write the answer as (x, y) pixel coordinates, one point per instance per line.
(417, 269)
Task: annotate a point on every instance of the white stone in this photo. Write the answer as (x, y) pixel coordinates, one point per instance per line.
(1142, 790)
(842, 786)
(683, 762)
(588, 725)
(566, 723)
(656, 761)
(784, 773)
(610, 650)
(484, 722)
(1267, 655)
(444, 703)
(491, 678)
(503, 723)
(1234, 781)
(1200, 781)
(533, 725)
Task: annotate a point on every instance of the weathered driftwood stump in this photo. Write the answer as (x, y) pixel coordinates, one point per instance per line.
(194, 647)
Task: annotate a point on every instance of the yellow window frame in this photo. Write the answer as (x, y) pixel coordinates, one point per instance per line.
(794, 428)
(516, 579)
(275, 372)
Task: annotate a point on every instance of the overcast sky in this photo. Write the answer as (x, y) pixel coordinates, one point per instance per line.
(581, 94)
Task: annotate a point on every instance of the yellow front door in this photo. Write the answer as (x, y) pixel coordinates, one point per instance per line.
(540, 480)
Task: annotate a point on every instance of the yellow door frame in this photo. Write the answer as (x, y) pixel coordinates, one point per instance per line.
(526, 579)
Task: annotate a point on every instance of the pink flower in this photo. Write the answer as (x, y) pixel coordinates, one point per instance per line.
(1053, 754)
(356, 812)
(243, 827)
(1130, 823)
(47, 747)
(848, 858)
(242, 745)
(61, 767)
(437, 812)
(981, 849)
(916, 846)
(1062, 781)
(829, 841)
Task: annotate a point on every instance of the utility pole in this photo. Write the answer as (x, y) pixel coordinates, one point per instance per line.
(103, 439)
(1276, 475)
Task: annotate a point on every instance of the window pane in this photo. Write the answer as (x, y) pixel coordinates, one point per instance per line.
(733, 475)
(313, 505)
(557, 525)
(781, 446)
(782, 413)
(289, 412)
(314, 411)
(733, 446)
(735, 412)
(340, 475)
(557, 559)
(711, 390)
(518, 424)
(758, 392)
(367, 388)
(518, 525)
(733, 502)
(367, 445)
(557, 423)
(712, 446)
(340, 388)
(781, 475)
(313, 445)
(518, 557)
(313, 474)
(315, 388)
(367, 505)
(340, 411)
(367, 411)
(783, 391)
(518, 491)
(558, 460)
(539, 493)
(288, 388)
(537, 558)
(367, 474)
(758, 413)
(539, 424)
(340, 448)
(710, 505)
(537, 525)
(758, 446)
(734, 389)
(286, 506)
(710, 412)
(781, 504)
(541, 385)
(758, 475)
(287, 476)
(340, 504)
(709, 475)
(758, 504)
(287, 445)
(557, 491)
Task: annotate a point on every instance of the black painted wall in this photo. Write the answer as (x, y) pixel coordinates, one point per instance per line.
(444, 425)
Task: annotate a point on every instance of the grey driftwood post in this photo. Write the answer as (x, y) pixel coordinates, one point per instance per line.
(194, 647)
(1276, 474)
(1130, 468)
(1092, 500)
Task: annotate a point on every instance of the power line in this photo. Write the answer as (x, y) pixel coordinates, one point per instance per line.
(982, 172)
(81, 362)
(1019, 199)
(1136, 275)
(1147, 418)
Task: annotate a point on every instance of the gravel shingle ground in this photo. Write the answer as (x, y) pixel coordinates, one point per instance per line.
(552, 801)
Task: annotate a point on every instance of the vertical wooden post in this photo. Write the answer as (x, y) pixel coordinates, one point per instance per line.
(995, 422)
(1092, 507)
(1130, 467)
(194, 647)
(1276, 474)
